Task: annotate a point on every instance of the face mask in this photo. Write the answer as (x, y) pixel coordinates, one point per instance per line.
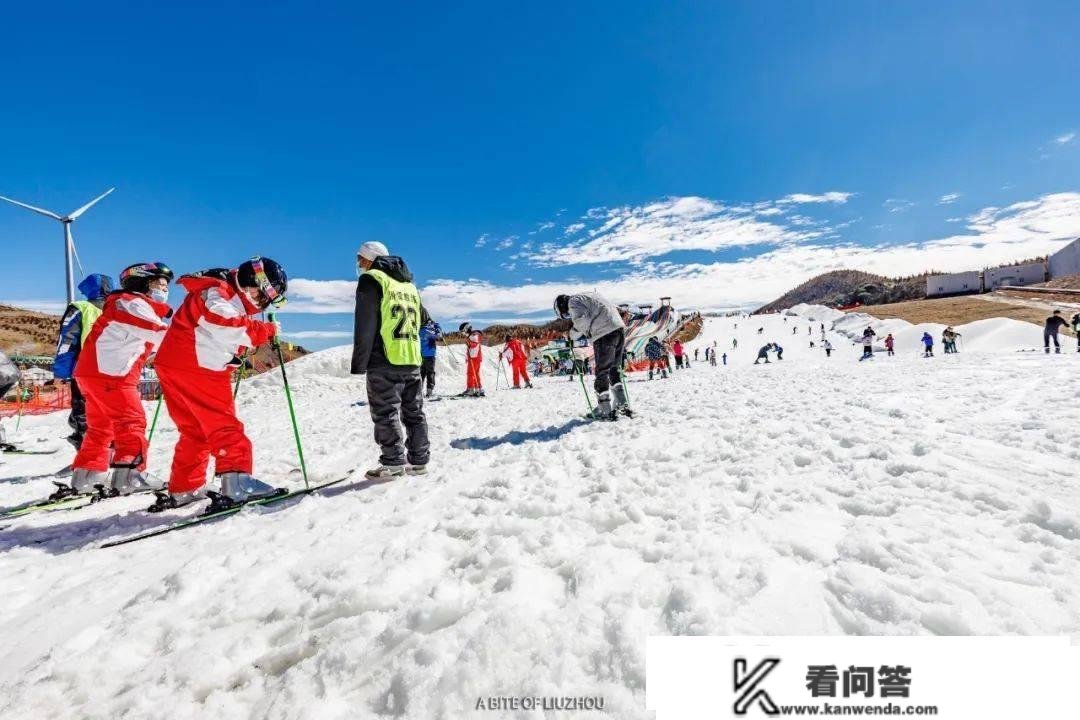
(160, 295)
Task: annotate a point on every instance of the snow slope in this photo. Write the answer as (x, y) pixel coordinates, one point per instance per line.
(807, 496)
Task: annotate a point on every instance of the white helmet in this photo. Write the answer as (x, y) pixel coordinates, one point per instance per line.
(372, 250)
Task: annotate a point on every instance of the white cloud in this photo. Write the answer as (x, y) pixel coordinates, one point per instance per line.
(634, 234)
(545, 226)
(954, 220)
(52, 307)
(1065, 139)
(506, 242)
(481, 241)
(896, 205)
(830, 197)
(573, 229)
(994, 235)
(948, 199)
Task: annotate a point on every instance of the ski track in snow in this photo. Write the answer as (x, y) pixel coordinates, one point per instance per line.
(809, 496)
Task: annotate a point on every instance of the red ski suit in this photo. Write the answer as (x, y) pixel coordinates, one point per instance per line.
(111, 361)
(515, 353)
(210, 327)
(473, 356)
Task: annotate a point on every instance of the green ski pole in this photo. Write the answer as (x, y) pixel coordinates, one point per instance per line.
(239, 374)
(288, 397)
(153, 423)
(580, 374)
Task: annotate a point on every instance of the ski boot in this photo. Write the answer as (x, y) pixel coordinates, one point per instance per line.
(528, 385)
(416, 469)
(170, 501)
(386, 472)
(127, 480)
(85, 481)
(428, 393)
(622, 403)
(241, 487)
(603, 410)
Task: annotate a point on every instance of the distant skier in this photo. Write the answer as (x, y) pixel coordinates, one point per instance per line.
(724, 356)
(779, 351)
(948, 339)
(696, 354)
(794, 330)
(113, 452)
(889, 343)
(760, 330)
(1054, 323)
(474, 356)
(928, 344)
(515, 354)
(75, 328)
(598, 319)
(213, 323)
(430, 334)
(1076, 329)
(868, 336)
(763, 354)
(734, 343)
(677, 349)
(828, 348)
(654, 351)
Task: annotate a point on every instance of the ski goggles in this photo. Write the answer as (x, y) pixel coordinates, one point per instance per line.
(273, 297)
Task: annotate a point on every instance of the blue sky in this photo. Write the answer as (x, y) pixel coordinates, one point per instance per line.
(717, 152)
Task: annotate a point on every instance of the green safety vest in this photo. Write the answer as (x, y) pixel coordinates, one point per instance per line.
(90, 314)
(400, 319)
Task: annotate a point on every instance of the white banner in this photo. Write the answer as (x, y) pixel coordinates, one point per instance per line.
(953, 678)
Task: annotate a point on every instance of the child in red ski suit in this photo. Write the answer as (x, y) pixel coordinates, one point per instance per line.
(474, 355)
(131, 325)
(213, 324)
(515, 354)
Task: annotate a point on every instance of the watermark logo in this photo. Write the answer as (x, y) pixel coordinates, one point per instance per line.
(748, 690)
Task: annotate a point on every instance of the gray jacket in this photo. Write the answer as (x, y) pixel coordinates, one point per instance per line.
(593, 316)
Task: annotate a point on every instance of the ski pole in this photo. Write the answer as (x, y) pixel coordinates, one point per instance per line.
(153, 423)
(239, 374)
(581, 375)
(288, 398)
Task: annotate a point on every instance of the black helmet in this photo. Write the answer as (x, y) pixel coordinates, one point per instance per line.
(465, 328)
(562, 306)
(137, 277)
(266, 275)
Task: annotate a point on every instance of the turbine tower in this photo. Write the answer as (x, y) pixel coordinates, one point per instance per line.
(69, 245)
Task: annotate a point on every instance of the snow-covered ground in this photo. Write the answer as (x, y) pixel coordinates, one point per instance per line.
(808, 496)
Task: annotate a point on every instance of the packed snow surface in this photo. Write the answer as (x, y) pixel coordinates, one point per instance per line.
(812, 495)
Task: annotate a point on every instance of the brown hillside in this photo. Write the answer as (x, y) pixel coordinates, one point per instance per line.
(27, 332)
(959, 310)
(841, 288)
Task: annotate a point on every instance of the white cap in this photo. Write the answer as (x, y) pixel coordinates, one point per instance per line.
(372, 249)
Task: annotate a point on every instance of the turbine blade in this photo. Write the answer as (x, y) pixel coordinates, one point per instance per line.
(89, 205)
(31, 207)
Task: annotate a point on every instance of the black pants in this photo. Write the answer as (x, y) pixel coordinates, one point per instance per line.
(678, 361)
(1047, 336)
(394, 398)
(427, 373)
(77, 418)
(607, 352)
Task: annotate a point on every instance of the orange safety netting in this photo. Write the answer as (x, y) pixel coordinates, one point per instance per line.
(37, 400)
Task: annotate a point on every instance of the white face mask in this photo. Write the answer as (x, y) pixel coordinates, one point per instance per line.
(160, 296)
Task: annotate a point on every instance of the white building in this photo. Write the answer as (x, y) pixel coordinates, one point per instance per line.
(953, 284)
(1026, 274)
(1066, 261)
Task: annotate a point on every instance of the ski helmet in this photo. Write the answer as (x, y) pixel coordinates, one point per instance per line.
(137, 277)
(267, 276)
(465, 328)
(562, 306)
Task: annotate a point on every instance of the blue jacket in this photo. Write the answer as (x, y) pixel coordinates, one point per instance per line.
(927, 339)
(94, 288)
(654, 350)
(429, 335)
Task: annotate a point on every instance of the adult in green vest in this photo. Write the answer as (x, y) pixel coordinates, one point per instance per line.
(74, 328)
(386, 348)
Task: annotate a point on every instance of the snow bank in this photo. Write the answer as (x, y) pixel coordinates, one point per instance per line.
(810, 496)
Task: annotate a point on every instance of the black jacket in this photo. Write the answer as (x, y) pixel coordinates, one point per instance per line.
(1055, 323)
(368, 352)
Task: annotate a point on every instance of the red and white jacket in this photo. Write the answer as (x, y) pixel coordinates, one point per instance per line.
(514, 351)
(131, 327)
(473, 345)
(211, 326)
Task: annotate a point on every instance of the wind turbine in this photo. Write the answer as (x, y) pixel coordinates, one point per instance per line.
(69, 245)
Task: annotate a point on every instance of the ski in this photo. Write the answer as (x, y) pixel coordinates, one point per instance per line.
(217, 515)
(71, 502)
(29, 452)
